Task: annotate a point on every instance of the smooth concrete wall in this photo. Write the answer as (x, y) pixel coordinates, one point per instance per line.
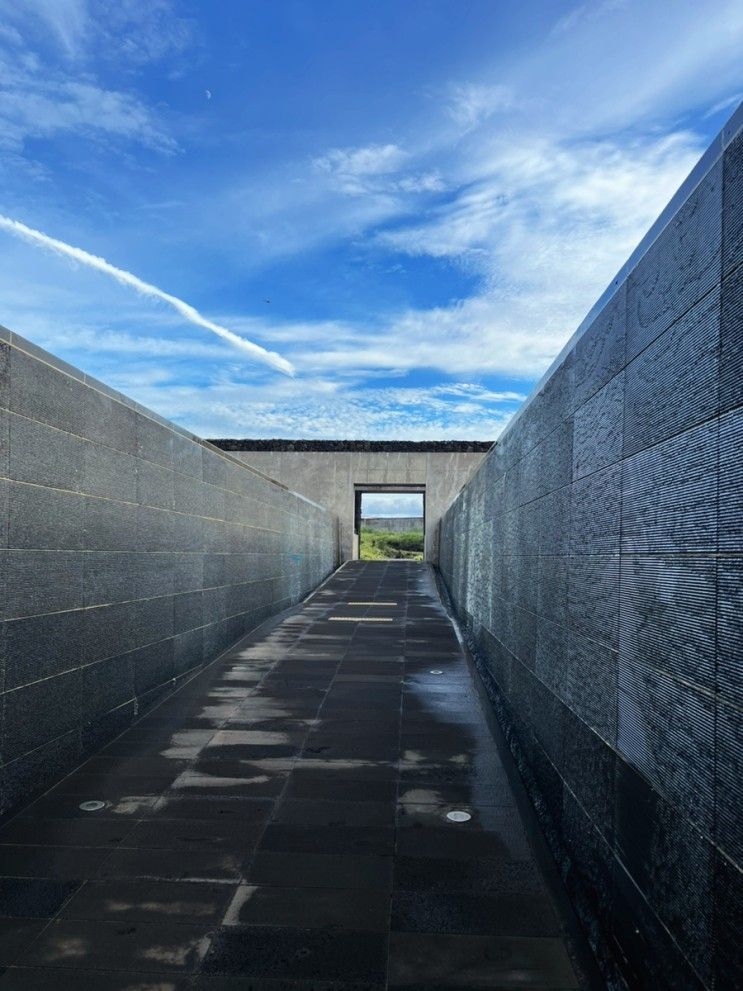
(596, 560)
(131, 553)
(329, 477)
(393, 524)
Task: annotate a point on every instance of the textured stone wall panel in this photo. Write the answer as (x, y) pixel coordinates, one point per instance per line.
(620, 684)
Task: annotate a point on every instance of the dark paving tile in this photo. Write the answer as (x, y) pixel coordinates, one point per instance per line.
(16, 935)
(247, 810)
(186, 835)
(149, 901)
(34, 898)
(474, 876)
(173, 865)
(38, 979)
(151, 947)
(66, 832)
(420, 962)
(310, 908)
(321, 785)
(501, 914)
(315, 812)
(230, 778)
(376, 840)
(61, 863)
(507, 843)
(297, 954)
(334, 870)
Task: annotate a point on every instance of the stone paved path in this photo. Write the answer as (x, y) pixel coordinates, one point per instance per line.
(281, 823)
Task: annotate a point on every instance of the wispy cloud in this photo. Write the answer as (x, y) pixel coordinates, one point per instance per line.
(188, 312)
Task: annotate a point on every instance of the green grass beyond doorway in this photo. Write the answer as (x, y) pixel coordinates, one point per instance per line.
(380, 545)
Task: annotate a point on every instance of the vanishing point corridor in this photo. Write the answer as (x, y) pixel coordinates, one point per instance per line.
(284, 822)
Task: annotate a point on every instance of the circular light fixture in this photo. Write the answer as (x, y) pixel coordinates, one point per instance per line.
(457, 815)
(94, 806)
(435, 671)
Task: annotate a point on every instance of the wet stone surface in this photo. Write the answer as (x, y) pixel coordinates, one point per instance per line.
(281, 822)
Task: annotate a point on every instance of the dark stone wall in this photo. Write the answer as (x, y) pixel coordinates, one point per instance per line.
(131, 554)
(596, 561)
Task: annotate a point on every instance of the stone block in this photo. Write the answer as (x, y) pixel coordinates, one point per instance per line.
(731, 341)
(598, 354)
(554, 522)
(45, 456)
(551, 655)
(43, 393)
(40, 712)
(679, 268)
(153, 665)
(595, 513)
(106, 685)
(38, 581)
(669, 495)
(109, 422)
(155, 485)
(727, 911)
(557, 457)
(110, 525)
(155, 530)
(597, 429)
(188, 611)
(731, 483)
(39, 768)
(729, 772)
(591, 685)
(589, 768)
(667, 615)
(187, 456)
(669, 861)
(188, 651)
(116, 629)
(154, 441)
(42, 518)
(552, 600)
(682, 362)
(42, 646)
(730, 629)
(732, 199)
(665, 729)
(593, 597)
(4, 375)
(110, 474)
(188, 571)
(4, 442)
(188, 495)
(113, 576)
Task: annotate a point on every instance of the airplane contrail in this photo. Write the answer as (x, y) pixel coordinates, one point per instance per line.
(126, 278)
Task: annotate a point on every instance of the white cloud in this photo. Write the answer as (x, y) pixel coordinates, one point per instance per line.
(186, 311)
(470, 104)
(369, 160)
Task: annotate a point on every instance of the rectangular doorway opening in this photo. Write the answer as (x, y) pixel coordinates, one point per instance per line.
(389, 522)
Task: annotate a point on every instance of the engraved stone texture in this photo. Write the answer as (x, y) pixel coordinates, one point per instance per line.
(593, 597)
(557, 458)
(669, 495)
(153, 665)
(731, 482)
(670, 861)
(45, 456)
(4, 442)
(29, 655)
(39, 712)
(106, 685)
(187, 456)
(599, 352)
(43, 393)
(188, 651)
(41, 518)
(121, 627)
(683, 361)
(553, 589)
(110, 474)
(188, 611)
(665, 728)
(667, 615)
(728, 910)
(27, 774)
(681, 266)
(595, 513)
(4, 375)
(589, 769)
(119, 576)
(110, 525)
(591, 684)
(154, 441)
(109, 422)
(729, 758)
(732, 230)
(730, 629)
(551, 655)
(61, 588)
(597, 430)
(731, 341)
(554, 522)
(155, 485)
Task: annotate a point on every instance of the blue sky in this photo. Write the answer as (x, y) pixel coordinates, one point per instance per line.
(413, 203)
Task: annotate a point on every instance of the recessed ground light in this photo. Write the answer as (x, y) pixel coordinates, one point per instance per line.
(435, 671)
(457, 815)
(92, 806)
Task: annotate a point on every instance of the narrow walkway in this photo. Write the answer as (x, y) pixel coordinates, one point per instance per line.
(282, 823)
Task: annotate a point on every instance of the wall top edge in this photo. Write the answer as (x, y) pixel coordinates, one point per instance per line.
(34, 351)
(392, 446)
(708, 160)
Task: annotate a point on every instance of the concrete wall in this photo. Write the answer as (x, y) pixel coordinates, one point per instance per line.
(393, 524)
(328, 477)
(596, 559)
(131, 553)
